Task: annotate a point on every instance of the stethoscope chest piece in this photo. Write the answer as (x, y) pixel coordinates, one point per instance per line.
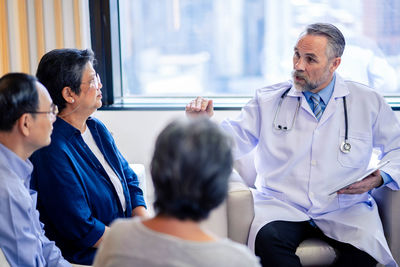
(345, 147)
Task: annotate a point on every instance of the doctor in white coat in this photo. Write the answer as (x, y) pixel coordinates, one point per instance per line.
(305, 149)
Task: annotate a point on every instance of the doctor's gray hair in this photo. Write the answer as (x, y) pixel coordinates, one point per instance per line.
(336, 41)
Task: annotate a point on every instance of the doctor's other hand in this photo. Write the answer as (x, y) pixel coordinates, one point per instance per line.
(368, 183)
(200, 106)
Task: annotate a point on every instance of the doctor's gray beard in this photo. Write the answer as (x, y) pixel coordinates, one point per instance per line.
(307, 86)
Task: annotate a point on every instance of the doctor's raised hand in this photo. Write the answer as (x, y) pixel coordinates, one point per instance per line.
(200, 106)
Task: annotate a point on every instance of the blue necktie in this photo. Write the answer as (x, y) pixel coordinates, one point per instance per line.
(317, 105)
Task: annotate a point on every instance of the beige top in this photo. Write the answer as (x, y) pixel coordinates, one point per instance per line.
(130, 243)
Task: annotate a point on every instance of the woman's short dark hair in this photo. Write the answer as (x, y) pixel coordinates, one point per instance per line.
(18, 95)
(60, 68)
(190, 168)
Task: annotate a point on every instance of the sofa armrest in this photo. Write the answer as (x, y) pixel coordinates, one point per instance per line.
(389, 210)
(234, 216)
(240, 210)
(140, 171)
(217, 221)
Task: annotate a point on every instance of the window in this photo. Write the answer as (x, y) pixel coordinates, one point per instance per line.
(175, 48)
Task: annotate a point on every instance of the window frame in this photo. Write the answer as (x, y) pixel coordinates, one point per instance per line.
(104, 30)
(105, 41)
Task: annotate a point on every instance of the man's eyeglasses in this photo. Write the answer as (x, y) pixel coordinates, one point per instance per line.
(53, 111)
(95, 82)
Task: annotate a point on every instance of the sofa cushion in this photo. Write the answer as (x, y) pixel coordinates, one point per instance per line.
(240, 212)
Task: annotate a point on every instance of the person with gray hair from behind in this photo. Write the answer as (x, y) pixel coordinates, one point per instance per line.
(191, 165)
(311, 135)
(27, 115)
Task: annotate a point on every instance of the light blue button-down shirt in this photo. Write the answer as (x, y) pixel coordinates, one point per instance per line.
(22, 238)
(325, 95)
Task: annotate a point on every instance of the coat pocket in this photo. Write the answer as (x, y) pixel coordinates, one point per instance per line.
(361, 149)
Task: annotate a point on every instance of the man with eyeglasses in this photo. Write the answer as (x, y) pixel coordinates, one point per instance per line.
(27, 116)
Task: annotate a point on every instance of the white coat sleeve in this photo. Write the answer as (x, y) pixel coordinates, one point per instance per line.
(386, 137)
(245, 129)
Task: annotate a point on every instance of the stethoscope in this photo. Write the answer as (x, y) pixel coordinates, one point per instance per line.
(345, 146)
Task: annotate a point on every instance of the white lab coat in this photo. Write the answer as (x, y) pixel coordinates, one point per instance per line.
(297, 169)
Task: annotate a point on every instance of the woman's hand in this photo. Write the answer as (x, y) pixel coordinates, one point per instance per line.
(140, 211)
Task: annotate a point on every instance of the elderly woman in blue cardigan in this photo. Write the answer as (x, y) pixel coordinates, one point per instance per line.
(83, 181)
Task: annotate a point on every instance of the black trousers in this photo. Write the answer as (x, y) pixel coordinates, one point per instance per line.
(277, 241)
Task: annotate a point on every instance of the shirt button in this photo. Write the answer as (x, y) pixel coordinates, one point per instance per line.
(314, 162)
(311, 194)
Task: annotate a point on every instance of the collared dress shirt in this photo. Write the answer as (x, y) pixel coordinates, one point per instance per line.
(325, 95)
(76, 197)
(22, 238)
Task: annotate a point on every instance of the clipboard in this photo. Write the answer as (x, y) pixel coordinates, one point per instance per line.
(359, 178)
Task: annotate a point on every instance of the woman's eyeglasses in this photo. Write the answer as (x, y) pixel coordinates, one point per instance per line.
(95, 82)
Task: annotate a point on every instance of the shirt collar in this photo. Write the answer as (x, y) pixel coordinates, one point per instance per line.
(325, 93)
(62, 127)
(23, 168)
